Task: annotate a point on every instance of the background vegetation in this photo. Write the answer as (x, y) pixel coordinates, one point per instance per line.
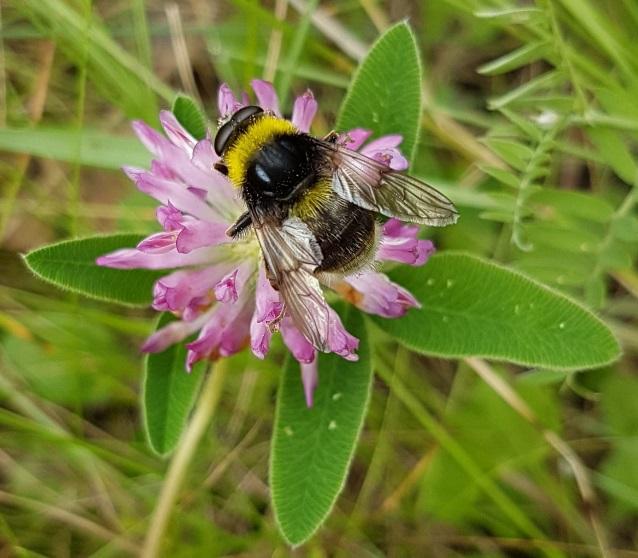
(530, 125)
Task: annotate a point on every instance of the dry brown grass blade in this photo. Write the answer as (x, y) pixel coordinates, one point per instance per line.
(76, 522)
(442, 126)
(393, 501)
(588, 495)
(35, 109)
(180, 49)
(274, 43)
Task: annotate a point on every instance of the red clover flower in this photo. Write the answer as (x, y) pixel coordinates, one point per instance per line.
(217, 286)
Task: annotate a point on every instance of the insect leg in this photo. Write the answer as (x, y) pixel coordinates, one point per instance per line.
(331, 137)
(221, 167)
(240, 225)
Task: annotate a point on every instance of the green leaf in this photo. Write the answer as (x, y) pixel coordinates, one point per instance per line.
(472, 307)
(574, 204)
(595, 291)
(625, 228)
(312, 447)
(542, 82)
(618, 403)
(514, 153)
(558, 268)
(502, 175)
(87, 147)
(525, 125)
(564, 238)
(515, 59)
(543, 377)
(190, 116)
(385, 93)
(70, 265)
(600, 30)
(512, 15)
(495, 435)
(616, 256)
(169, 393)
(115, 71)
(616, 153)
(67, 362)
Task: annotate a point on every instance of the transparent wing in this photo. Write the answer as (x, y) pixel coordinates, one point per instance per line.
(292, 254)
(372, 185)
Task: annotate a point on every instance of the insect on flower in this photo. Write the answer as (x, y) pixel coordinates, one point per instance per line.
(264, 216)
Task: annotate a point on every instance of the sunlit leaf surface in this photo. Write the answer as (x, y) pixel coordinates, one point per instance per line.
(169, 393)
(312, 447)
(476, 308)
(70, 265)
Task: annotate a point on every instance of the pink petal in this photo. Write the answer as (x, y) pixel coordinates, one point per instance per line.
(133, 172)
(298, 345)
(376, 294)
(174, 166)
(199, 192)
(171, 293)
(162, 170)
(385, 150)
(200, 234)
(169, 217)
(180, 289)
(268, 308)
(204, 156)
(131, 258)
(231, 287)
(266, 95)
(394, 227)
(304, 111)
(356, 137)
(171, 334)
(167, 191)
(176, 133)
(339, 340)
(225, 289)
(399, 243)
(158, 243)
(227, 103)
(155, 142)
(225, 333)
(411, 252)
(260, 336)
(384, 142)
(391, 158)
(268, 302)
(220, 193)
(309, 379)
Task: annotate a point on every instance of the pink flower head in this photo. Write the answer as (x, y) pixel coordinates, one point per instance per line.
(218, 287)
(268, 311)
(399, 243)
(376, 294)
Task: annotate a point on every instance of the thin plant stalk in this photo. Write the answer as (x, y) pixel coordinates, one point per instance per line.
(465, 461)
(204, 411)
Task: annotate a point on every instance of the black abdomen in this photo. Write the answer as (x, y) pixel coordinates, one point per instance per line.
(346, 235)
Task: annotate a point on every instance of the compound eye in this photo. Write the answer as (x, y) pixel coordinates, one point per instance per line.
(223, 135)
(246, 112)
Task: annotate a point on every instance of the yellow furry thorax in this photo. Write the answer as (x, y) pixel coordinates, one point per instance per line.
(264, 129)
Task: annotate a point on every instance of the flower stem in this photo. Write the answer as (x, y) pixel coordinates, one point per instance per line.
(206, 405)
